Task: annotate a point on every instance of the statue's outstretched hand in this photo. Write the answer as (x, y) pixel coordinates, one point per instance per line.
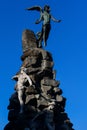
(37, 21)
(59, 21)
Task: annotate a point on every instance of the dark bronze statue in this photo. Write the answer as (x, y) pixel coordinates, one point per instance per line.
(45, 16)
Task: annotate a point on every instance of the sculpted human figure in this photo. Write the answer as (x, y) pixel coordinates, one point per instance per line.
(46, 17)
(21, 77)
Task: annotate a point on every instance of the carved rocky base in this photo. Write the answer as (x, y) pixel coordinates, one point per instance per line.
(44, 105)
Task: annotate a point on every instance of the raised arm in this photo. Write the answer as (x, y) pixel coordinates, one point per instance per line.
(15, 77)
(28, 78)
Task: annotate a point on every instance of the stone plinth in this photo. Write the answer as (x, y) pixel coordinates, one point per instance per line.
(44, 104)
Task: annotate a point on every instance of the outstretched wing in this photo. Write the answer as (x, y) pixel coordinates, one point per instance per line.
(37, 8)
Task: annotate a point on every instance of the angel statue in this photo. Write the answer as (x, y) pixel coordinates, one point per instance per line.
(46, 17)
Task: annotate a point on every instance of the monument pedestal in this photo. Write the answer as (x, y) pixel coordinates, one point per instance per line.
(44, 105)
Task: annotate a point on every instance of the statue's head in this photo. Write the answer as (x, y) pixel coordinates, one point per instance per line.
(47, 8)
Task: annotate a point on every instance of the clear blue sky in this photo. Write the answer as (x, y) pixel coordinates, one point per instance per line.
(67, 43)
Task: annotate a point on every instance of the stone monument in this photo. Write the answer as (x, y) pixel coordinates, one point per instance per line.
(37, 102)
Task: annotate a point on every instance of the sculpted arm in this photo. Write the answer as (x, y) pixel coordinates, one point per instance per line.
(55, 20)
(39, 20)
(15, 77)
(28, 78)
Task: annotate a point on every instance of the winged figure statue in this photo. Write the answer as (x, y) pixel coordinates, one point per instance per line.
(45, 17)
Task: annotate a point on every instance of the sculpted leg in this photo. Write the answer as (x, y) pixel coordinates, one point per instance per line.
(20, 97)
(44, 34)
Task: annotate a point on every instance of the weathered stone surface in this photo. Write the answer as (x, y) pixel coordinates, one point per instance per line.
(46, 55)
(31, 100)
(47, 64)
(49, 82)
(45, 89)
(59, 98)
(28, 40)
(37, 52)
(32, 70)
(43, 104)
(57, 90)
(31, 90)
(29, 61)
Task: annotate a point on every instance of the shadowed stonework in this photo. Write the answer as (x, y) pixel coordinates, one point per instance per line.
(37, 103)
